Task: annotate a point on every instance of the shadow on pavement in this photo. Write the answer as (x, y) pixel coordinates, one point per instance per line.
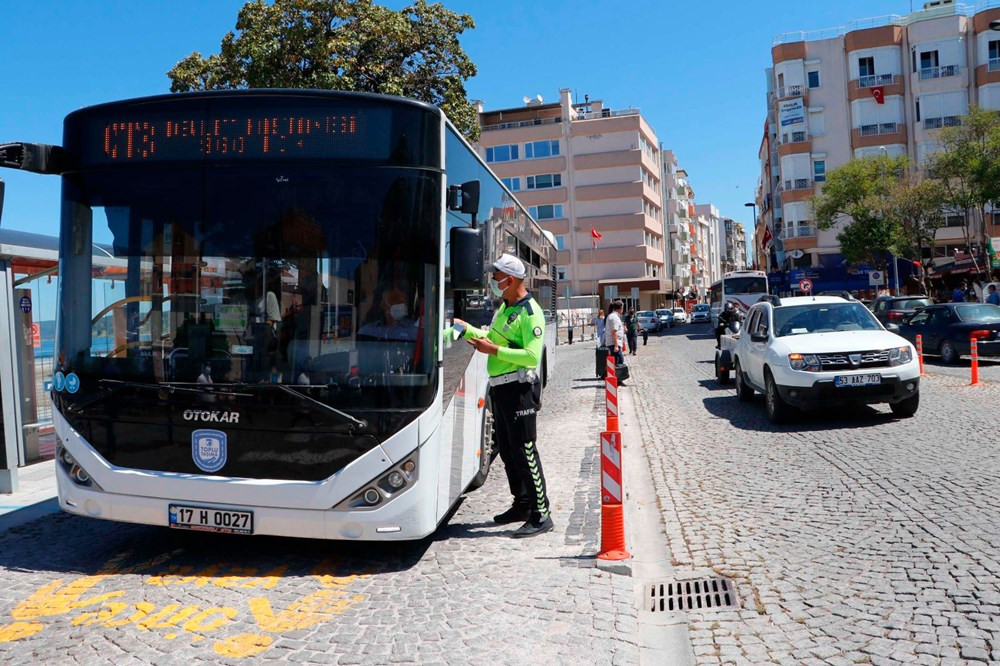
(751, 416)
(61, 543)
(713, 385)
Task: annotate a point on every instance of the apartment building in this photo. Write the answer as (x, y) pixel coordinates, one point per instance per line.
(732, 246)
(679, 226)
(878, 86)
(707, 240)
(578, 166)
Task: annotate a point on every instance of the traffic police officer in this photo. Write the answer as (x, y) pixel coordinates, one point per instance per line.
(514, 345)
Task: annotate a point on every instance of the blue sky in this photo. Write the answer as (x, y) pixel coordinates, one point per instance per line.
(694, 68)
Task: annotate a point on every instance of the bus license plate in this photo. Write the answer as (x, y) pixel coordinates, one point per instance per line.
(207, 519)
(857, 380)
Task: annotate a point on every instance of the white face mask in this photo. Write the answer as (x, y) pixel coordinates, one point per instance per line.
(496, 288)
(397, 311)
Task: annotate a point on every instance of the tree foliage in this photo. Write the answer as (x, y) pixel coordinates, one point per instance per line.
(860, 195)
(343, 45)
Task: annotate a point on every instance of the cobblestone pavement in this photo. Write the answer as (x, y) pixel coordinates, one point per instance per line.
(852, 536)
(80, 591)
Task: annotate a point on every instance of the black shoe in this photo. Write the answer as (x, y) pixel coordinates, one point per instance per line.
(530, 529)
(514, 514)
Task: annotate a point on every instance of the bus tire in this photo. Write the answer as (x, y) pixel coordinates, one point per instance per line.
(487, 447)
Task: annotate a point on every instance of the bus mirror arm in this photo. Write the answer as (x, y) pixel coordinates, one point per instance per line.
(2, 186)
(34, 157)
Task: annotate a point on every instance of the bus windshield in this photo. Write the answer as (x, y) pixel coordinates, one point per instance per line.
(254, 273)
(745, 285)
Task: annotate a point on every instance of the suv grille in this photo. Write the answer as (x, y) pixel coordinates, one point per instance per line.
(842, 361)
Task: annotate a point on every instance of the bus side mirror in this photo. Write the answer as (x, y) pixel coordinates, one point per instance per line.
(467, 258)
(1, 200)
(464, 198)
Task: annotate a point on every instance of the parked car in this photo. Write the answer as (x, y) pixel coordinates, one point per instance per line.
(648, 320)
(946, 329)
(680, 316)
(666, 318)
(701, 313)
(895, 309)
(807, 352)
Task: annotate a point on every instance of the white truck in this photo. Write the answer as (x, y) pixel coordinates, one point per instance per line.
(810, 351)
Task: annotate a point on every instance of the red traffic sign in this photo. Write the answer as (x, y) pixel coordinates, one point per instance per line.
(805, 285)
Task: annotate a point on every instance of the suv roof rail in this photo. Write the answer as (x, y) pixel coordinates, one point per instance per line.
(770, 298)
(846, 295)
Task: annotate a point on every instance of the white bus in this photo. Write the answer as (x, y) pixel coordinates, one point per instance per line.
(741, 288)
(272, 359)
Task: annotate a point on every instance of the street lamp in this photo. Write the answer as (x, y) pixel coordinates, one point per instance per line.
(753, 205)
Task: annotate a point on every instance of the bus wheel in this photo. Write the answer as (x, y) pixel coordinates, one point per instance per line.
(487, 446)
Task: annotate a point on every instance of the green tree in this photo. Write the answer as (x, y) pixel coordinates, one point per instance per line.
(968, 168)
(859, 195)
(343, 45)
(917, 204)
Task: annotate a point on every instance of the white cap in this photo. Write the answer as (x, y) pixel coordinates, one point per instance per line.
(511, 265)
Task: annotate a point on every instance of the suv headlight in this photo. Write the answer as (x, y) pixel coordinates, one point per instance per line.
(805, 362)
(900, 355)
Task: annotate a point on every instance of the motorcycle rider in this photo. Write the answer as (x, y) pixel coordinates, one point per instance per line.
(728, 315)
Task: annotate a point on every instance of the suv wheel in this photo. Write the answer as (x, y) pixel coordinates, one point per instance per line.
(777, 409)
(906, 408)
(743, 391)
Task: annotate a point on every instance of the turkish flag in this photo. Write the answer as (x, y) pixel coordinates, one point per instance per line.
(878, 92)
(766, 239)
(595, 235)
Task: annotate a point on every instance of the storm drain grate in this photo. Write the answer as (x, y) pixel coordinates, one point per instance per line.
(690, 595)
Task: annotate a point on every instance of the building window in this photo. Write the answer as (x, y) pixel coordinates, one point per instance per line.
(813, 79)
(513, 184)
(561, 273)
(539, 149)
(547, 212)
(918, 109)
(819, 171)
(543, 181)
(506, 153)
(866, 66)
(994, 47)
(954, 221)
(928, 59)
(560, 242)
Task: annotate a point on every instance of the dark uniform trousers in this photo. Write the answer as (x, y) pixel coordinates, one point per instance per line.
(514, 410)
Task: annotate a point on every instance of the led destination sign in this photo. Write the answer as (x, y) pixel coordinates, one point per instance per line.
(134, 136)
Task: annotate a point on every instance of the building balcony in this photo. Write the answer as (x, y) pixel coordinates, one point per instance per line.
(988, 73)
(800, 231)
(939, 72)
(797, 184)
(942, 121)
(787, 92)
(521, 123)
(878, 134)
(875, 80)
(993, 65)
(861, 88)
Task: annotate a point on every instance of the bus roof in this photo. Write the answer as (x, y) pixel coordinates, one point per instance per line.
(259, 92)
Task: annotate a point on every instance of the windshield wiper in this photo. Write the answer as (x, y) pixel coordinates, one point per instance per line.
(198, 389)
(344, 415)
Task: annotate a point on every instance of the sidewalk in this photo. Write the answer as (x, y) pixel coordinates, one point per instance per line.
(35, 498)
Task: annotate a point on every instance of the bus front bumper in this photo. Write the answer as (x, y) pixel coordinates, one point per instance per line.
(399, 519)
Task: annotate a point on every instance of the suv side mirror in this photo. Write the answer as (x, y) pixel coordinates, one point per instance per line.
(759, 337)
(892, 328)
(467, 254)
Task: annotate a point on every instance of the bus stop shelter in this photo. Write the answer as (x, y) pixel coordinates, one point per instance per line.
(25, 259)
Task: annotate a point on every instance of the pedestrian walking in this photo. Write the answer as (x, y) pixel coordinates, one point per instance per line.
(571, 329)
(599, 327)
(958, 296)
(514, 345)
(631, 331)
(614, 332)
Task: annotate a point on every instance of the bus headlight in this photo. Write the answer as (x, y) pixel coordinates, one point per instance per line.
(73, 469)
(384, 488)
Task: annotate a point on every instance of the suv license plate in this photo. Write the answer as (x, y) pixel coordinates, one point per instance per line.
(207, 519)
(857, 380)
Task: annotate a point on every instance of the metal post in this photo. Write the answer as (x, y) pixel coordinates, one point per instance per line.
(895, 271)
(10, 388)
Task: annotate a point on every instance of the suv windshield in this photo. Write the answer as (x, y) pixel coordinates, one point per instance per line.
(823, 318)
(910, 303)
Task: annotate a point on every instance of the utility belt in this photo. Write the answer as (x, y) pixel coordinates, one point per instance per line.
(520, 375)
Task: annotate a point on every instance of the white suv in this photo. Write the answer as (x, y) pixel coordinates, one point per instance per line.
(809, 351)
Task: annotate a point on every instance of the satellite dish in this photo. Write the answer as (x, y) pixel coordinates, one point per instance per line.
(995, 24)
(525, 99)
(538, 97)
